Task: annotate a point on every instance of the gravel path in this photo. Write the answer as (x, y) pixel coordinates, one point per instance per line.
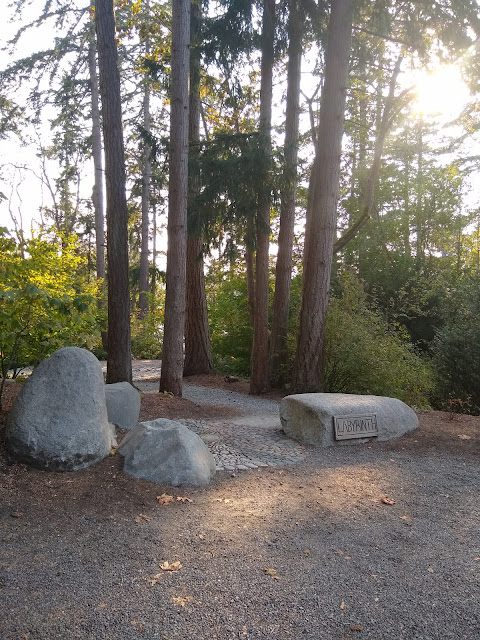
(307, 551)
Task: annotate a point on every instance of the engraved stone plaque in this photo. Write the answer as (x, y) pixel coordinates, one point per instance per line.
(347, 427)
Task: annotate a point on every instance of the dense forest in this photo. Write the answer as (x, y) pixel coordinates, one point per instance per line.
(251, 188)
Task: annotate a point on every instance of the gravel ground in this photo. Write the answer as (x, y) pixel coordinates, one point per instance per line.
(310, 551)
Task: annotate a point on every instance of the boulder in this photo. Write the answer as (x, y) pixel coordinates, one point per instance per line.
(59, 420)
(325, 419)
(123, 404)
(166, 452)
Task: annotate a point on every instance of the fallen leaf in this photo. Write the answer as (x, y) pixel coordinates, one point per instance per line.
(339, 552)
(113, 451)
(225, 500)
(16, 514)
(387, 500)
(166, 566)
(102, 606)
(430, 570)
(181, 602)
(183, 499)
(138, 625)
(201, 536)
(270, 572)
(476, 559)
(306, 552)
(142, 517)
(405, 518)
(165, 499)
(356, 627)
(464, 437)
(342, 605)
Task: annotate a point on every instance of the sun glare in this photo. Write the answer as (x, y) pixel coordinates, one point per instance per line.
(441, 92)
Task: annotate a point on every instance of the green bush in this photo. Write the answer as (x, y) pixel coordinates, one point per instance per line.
(456, 350)
(363, 355)
(231, 331)
(147, 332)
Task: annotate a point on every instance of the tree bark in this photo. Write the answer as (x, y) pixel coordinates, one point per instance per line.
(283, 272)
(172, 358)
(119, 360)
(250, 268)
(146, 179)
(259, 358)
(198, 349)
(322, 203)
(97, 193)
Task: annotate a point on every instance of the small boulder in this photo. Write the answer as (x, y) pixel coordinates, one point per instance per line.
(326, 419)
(123, 404)
(166, 452)
(59, 419)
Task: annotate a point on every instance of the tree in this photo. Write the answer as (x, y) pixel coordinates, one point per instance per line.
(283, 271)
(198, 349)
(172, 355)
(322, 203)
(259, 363)
(119, 361)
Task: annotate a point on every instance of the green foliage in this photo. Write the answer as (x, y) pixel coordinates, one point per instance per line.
(365, 356)
(231, 331)
(45, 304)
(456, 350)
(147, 331)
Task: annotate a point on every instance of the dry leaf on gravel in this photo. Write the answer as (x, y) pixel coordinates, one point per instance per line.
(406, 518)
(142, 518)
(356, 627)
(270, 572)
(181, 602)
(138, 626)
(16, 514)
(174, 566)
(165, 499)
(430, 570)
(387, 500)
(225, 500)
(342, 605)
(464, 437)
(183, 499)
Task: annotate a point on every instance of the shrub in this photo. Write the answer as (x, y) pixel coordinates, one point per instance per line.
(147, 331)
(363, 355)
(456, 350)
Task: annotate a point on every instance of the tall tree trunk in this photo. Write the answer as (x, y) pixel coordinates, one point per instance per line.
(259, 358)
(198, 349)
(250, 267)
(322, 203)
(172, 358)
(283, 272)
(97, 193)
(146, 179)
(119, 360)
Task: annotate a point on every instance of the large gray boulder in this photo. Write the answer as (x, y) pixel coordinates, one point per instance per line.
(325, 419)
(59, 420)
(123, 404)
(166, 452)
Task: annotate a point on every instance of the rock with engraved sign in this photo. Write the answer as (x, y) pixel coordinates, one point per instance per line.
(326, 419)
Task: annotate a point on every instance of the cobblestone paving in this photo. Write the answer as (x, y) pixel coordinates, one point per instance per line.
(254, 441)
(239, 448)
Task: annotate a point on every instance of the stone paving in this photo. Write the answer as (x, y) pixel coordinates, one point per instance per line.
(251, 441)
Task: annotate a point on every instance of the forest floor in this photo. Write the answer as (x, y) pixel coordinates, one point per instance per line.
(375, 541)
